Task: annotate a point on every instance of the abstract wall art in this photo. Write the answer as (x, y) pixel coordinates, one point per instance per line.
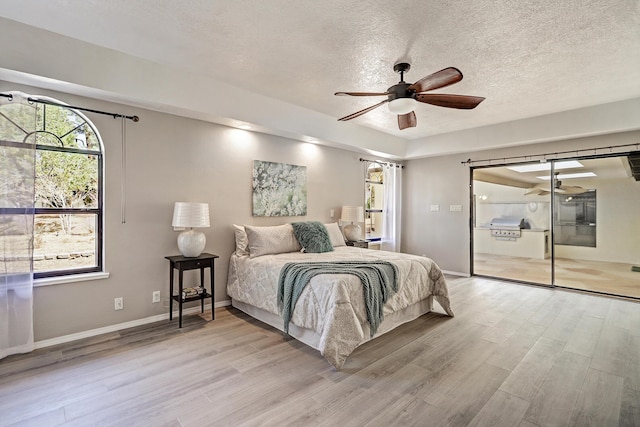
(279, 189)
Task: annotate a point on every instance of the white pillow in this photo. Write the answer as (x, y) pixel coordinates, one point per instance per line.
(337, 239)
(271, 240)
(242, 241)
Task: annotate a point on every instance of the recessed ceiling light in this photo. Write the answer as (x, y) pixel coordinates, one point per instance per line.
(568, 176)
(535, 167)
(245, 127)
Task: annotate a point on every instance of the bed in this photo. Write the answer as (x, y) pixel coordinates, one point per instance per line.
(330, 314)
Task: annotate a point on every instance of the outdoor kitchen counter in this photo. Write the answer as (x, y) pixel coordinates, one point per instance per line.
(533, 243)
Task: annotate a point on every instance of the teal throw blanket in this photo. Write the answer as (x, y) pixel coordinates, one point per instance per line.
(379, 280)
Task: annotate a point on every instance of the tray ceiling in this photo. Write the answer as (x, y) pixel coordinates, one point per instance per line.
(527, 58)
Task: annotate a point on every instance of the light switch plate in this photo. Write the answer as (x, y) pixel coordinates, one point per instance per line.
(455, 208)
(435, 208)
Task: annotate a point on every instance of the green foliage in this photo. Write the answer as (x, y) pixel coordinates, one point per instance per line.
(16, 164)
(16, 121)
(63, 179)
(62, 127)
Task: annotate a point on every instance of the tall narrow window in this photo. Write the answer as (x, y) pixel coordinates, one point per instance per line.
(68, 189)
(374, 202)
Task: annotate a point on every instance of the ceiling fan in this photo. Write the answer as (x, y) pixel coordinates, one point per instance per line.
(558, 188)
(402, 96)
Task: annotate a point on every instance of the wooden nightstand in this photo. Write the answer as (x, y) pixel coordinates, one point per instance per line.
(358, 243)
(181, 264)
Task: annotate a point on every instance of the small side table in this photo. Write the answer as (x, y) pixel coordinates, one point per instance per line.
(181, 264)
(358, 243)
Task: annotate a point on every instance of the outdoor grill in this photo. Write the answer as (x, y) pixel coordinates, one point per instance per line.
(509, 228)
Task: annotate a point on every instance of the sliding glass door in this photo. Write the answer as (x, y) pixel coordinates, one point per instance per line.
(511, 223)
(578, 219)
(597, 226)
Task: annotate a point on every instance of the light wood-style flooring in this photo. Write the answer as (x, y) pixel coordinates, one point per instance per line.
(514, 355)
(606, 277)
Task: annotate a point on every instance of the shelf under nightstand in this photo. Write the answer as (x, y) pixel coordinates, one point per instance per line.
(181, 264)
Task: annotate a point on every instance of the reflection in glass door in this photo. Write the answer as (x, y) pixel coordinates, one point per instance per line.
(588, 206)
(511, 230)
(597, 226)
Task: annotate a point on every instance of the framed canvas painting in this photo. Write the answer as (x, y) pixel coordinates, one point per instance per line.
(279, 189)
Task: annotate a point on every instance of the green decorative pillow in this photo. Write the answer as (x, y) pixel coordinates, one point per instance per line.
(312, 236)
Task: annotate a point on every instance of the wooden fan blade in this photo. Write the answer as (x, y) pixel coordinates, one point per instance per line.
(571, 189)
(361, 112)
(362, 93)
(463, 102)
(439, 79)
(407, 120)
(538, 190)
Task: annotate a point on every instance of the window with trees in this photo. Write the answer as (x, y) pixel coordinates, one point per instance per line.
(68, 188)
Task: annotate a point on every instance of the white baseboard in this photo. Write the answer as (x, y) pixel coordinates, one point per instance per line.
(456, 273)
(112, 328)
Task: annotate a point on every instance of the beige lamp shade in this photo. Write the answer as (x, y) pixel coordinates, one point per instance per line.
(352, 214)
(190, 215)
(191, 243)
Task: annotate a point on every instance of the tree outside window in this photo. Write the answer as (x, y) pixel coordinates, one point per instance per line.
(68, 188)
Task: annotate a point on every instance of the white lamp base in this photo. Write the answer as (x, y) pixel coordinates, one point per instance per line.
(191, 243)
(352, 232)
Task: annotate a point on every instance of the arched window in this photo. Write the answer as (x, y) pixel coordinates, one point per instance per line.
(68, 187)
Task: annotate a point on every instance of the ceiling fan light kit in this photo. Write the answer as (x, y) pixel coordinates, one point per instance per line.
(402, 105)
(402, 97)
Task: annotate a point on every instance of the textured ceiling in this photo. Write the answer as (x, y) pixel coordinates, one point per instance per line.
(528, 58)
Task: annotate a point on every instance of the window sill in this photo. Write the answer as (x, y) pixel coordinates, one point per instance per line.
(69, 279)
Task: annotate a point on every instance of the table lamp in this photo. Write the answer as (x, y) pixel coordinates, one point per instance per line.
(352, 214)
(191, 215)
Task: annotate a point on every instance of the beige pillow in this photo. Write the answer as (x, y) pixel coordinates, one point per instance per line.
(337, 239)
(242, 241)
(271, 240)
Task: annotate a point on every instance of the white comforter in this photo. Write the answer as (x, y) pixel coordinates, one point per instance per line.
(332, 305)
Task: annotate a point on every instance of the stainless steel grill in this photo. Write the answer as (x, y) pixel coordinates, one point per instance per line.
(509, 228)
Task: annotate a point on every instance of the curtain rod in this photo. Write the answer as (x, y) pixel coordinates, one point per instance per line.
(552, 156)
(47, 102)
(383, 163)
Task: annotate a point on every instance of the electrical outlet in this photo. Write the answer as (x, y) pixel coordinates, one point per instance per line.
(118, 304)
(155, 296)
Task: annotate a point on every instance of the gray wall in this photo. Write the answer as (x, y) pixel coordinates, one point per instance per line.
(442, 235)
(171, 158)
(444, 181)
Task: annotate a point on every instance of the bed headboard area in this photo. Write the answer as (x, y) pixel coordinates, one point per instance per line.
(308, 236)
